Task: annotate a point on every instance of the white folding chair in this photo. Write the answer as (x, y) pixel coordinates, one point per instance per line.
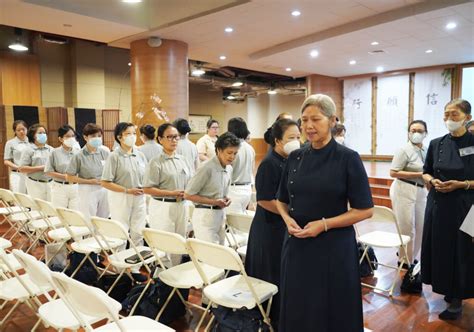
(13, 262)
(7, 209)
(384, 239)
(241, 223)
(236, 292)
(184, 276)
(87, 300)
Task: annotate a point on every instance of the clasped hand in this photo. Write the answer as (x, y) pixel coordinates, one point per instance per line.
(447, 186)
(311, 229)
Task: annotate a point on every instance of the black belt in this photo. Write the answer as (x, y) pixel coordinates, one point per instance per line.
(240, 184)
(413, 183)
(211, 207)
(15, 171)
(42, 181)
(168, 200)
(63, 182)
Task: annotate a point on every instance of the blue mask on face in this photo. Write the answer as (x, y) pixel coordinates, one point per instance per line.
(95, 142)
(41, 138)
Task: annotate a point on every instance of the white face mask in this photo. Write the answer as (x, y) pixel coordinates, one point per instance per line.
(339, 139)
(70, 142)
(130, 140)
(453, 125)
(416, 138)
(291, 146)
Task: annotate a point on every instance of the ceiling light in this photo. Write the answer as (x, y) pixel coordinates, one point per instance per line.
(131, 1)
(374, 43)
(198, 72)
(429, 51)
(296, 13)
(222, 57)
(17, 46)
(314, 53)
(228, 29)
(379, 69)
(352, 62)
(230, 97)
(129, 64)
(288, 69)
(451, 25)
(272, 92)
(237, 84)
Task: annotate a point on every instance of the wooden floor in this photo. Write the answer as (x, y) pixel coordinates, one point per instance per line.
(401, 313)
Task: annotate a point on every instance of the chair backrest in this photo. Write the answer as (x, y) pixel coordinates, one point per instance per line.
(26, 201)
(72, 217)
(385, 217)
(84, 299)
(168, 242)
(239, 221)
(46, 208)
(38, 271)
(7, 196)
(109, 228)
(214, 255)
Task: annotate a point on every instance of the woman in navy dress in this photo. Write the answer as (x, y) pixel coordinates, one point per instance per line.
(268, 228)
(447, 254)
(320, 283)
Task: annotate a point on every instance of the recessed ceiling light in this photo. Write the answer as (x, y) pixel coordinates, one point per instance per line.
(379, 69)
(374, 43)
(288, 69)
(237, 84)
(451, 25)
(129, 64)
(296, 13)
(132, 1)
(429, 51)
(19, 47)
(222, 57)
(272, 92)
(314, 53)
(229, 29)
(352, 62)
(230, 97)
(198, 72)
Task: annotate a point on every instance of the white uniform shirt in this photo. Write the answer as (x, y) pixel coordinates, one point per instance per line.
(206, 145)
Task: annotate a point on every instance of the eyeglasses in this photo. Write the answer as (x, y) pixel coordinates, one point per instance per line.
(214, 127)
(173, 137)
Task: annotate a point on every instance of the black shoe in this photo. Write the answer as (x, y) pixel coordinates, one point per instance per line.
(405, 265)
(449, 315)
(448, 299)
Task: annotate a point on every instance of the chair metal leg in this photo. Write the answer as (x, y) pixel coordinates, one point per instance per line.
(80, 265)
(5, 318)
(165, 304)
(140, 297)
(203, 316)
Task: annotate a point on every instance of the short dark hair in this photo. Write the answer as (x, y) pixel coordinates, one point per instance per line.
(19, 122)
(32, 131)
(227, 140)
(420, 122)
(211, 122)
(338, 129)
(91, 129)
(120, 128)
(162, 128)
(238, 127)
(277, 130)
(64, 129)
(182, 125)
(284, 115)
(148, 130)
(463, 105)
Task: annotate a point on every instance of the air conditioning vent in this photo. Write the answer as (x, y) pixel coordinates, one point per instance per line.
(374, 52)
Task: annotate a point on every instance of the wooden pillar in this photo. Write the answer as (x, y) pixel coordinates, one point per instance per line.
(162, 71)
(327, 85)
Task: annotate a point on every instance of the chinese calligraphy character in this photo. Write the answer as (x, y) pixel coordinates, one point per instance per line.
(431, 99)
(392, 101)
(356, 103)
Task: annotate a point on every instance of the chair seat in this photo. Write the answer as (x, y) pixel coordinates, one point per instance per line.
(383, 239)
(118, 259)
(24, 217)
(4, 243)
(186, 276)
(242, 251)
(12, 261)
(136, 323)
(91, 245)
(40, 224)
(61, 234)
(12, 209)
(233, 292)
(12, 289)
(240, 237)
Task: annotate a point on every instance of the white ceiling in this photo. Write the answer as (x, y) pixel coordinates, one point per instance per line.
(267, 38)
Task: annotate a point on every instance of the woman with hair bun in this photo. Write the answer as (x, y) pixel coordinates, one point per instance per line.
(186, 148)
(12, 156)
(150, 147)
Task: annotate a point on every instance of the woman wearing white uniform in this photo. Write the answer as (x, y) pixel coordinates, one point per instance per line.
(408, 193)
(123, 178)
(208, 189)
(240, 190)
(33, 161)
(63, 193)
(206, 144)
(12, 156)
(186, 148)
(165, 179)
(150, 147)
(85, 169)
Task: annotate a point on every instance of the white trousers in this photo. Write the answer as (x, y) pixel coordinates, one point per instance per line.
(408, 203)
(17, 182)
(130, 210)
(65, 195)
(208, 225)
(240, 198)
(169, 217)
(93, 201)
(36, 189)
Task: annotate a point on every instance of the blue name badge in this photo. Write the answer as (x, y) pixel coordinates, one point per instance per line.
(466, 151)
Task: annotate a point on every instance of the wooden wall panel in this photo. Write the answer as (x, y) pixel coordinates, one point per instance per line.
(20, 79)
(110, 118)
(3, 140)
(57, 117)
(261, 149)
(327, 85)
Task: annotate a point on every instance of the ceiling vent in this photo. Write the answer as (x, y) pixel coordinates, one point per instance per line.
(375, 52)
(53, 39)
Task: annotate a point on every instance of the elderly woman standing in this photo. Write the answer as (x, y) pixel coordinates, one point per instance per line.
(320, 278)
(206, 144)
(447, 254)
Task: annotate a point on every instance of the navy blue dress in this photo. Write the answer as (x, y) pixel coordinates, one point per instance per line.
(320, 282)
(268, 229)
(447, 254)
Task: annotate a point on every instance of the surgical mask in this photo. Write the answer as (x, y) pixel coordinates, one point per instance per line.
(95, 142)
(416, 138)
(339, 139)
(291, 146)
(453, 125)
(41, 138)
(130, 140)
(70, 142)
